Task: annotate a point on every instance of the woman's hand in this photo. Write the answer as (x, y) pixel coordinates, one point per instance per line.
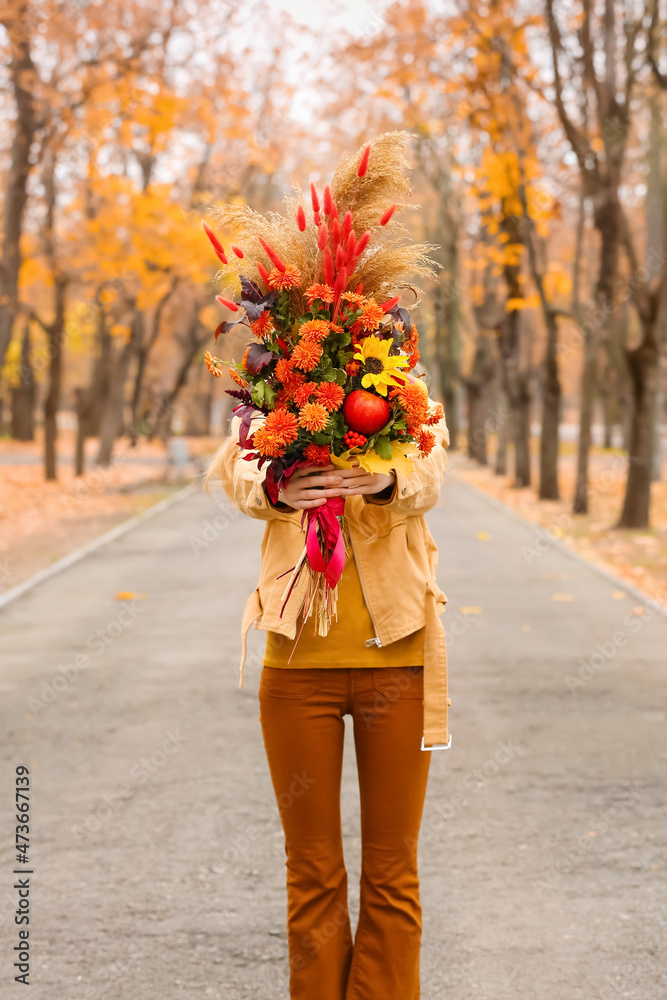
(357, 481)
(311, 486)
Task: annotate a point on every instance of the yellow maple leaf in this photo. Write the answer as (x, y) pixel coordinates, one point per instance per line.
(401, 459)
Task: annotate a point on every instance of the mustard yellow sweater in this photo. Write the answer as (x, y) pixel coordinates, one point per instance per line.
(344, 646)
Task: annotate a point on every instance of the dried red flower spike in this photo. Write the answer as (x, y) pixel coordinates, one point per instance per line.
(322, 237)
(389, 304)
(314, 199)
(360, 288)
(317, 218)
(228, 303)
(340, 257)
(215, 243)
(264, 274)
(238, 251)
(328, 201)
(347, 223)
(335, 232)
(351, 245)
(327, 266)
(364, 240)
(280, 264)
(387, 215)
(301, 218)
(363, 165)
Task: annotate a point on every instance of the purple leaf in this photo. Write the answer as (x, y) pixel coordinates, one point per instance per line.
(258, 357)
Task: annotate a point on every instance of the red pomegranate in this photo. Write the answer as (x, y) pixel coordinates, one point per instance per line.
(365, 412)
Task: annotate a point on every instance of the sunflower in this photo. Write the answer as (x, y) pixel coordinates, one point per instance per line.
(378, 364)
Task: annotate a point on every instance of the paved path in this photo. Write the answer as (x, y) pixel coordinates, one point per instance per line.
(157, 849)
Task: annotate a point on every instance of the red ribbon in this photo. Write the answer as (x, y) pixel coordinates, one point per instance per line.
(326, 518)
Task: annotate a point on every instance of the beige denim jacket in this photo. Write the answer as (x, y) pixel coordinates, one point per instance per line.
(395, 554)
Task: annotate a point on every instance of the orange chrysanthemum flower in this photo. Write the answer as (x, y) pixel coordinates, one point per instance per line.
(313, 417)
(317, 453)
(289, 278)
(264, 325)
(371, 317)
(314, 330)
(213, 364)
(266, 444)
(435, 417)
(245, 356)
(352, 367)
(426, 440)
(413, 358)
(305, 355)
(283, 371)
(303, 392)
(237, 378)
(283, 399)
(330, 395)
(282, 425)
(353, 297)
(324, 293)
(414, 400)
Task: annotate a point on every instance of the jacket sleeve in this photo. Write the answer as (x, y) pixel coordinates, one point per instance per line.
(419, 491)
(243, 482)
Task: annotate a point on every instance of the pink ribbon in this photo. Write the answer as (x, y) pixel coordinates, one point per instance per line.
(326, 517)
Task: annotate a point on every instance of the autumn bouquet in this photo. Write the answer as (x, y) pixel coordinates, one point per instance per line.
(329, 362)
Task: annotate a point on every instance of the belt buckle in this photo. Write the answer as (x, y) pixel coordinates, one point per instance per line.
(438, 746)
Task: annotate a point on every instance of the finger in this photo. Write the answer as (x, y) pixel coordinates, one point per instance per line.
(305, 504)
(315, 482)
(305, 470)
(313, 494)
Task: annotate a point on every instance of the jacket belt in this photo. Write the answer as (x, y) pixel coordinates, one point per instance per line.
(436, 700)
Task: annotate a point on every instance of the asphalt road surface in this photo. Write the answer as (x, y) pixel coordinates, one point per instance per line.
(155, 845)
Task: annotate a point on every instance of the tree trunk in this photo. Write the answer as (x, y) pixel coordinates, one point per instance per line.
(22, 72)
(643, 363)
(111, 422)
(56, 334)
(477, 385)
(23, 396)
(551, 403)
(193, 345)
(504, 436)
(90, 401)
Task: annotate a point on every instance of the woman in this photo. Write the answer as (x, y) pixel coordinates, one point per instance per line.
(384, 663)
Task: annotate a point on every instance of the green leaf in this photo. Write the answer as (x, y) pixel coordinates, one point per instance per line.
(257, 393)
(383, 447)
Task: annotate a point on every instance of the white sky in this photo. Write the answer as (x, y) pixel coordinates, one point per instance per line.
(358, 16)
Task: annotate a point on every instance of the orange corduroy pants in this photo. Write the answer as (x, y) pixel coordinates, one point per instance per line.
(301, 716)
